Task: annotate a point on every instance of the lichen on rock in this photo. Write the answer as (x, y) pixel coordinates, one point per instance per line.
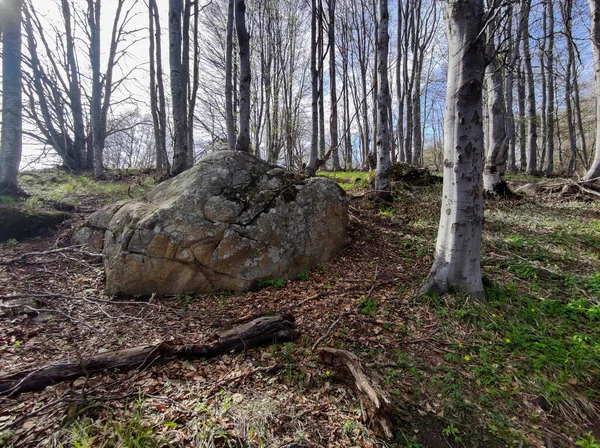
(225, 224)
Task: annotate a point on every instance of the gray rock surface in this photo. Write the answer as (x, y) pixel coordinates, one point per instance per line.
(529, 189)
(225, 224)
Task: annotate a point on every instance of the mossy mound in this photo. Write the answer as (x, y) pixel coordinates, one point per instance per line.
(413, 175)
(18, 223)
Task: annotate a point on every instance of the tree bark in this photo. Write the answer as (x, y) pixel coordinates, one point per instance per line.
(594, 171)
(178, 95)
(531, 109)
(458, 248)
(311, 167)
(550, 84)
(157, 90)
(264, 330)
(333, 122)
(382, 176)
(229, 78)
(12, 121)
(96, 104)
(243, 141)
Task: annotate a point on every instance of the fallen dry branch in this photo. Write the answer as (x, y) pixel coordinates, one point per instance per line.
(264, 330)
(76, 249)
(568, 187)
(376, 404)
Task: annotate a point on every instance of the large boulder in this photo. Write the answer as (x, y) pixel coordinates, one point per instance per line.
(225, 224)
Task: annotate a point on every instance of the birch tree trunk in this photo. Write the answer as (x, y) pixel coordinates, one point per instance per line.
(594, 171)
(243, 141)
(458, 248)
(10, 151)
(382, 176)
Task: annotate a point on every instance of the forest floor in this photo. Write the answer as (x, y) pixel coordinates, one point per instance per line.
(520, 368)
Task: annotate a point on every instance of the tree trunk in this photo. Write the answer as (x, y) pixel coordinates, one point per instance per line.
(243, 142)
(157, 91)
(178, 95)
(321, 75)
(12, 122)
(96, 104)
(229, 78)
(382, 176)
(594, 171)
(333, 122)
(311, 167)
(566, 11)
(79, 144)
(510, 115)
(522, 120)
(495, 160)
(531, 109)
(550, 84)
(458, 248)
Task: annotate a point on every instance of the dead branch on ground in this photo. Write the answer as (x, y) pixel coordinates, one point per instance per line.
(265, 330)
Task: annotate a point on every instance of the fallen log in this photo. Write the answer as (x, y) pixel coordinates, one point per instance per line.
(376, 405)
(261, 331)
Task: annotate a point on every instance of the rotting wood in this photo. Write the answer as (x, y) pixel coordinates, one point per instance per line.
(377, 406)
(265, 330)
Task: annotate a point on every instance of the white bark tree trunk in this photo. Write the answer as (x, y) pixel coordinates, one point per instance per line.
(594, 171)
(495, 159)
(458, 248)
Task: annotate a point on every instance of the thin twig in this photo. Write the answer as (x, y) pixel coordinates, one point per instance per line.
(76, 249)
(62, 313)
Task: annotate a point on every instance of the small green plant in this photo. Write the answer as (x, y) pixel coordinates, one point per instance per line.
(588, 441)
(387, 212)
(275, 283)
(184, 298)
(7, 200)
(367, 306)
(304, 275)
(451, 431)
(320, 268)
